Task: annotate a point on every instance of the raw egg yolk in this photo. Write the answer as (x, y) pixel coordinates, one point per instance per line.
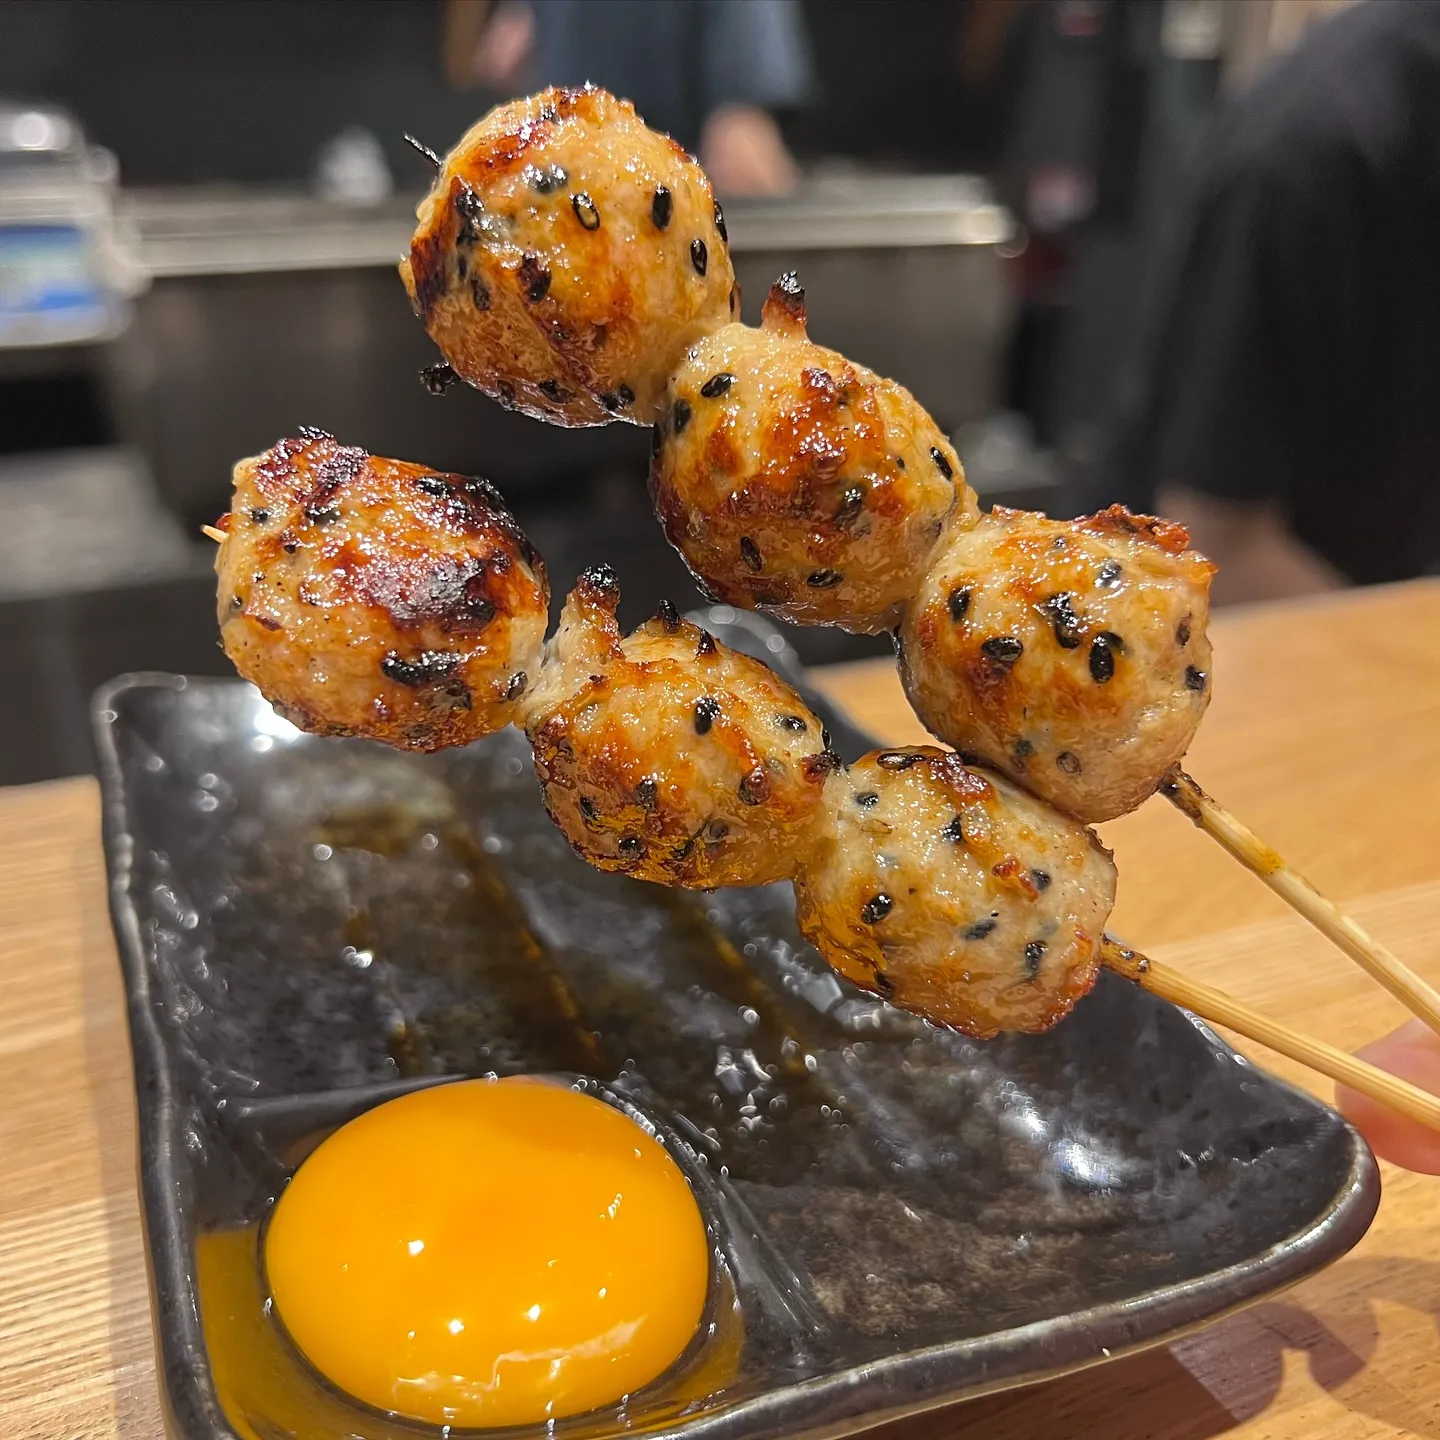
(487, 1253)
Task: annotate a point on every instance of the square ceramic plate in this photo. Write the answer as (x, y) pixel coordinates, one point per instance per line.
(902, 1216)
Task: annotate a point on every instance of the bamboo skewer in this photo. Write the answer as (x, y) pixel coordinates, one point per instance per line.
(210, 532)
(1219, 1008)
(1416, 994)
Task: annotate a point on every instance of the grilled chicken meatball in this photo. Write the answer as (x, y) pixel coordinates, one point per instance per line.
(567, 256)
(371, 597)
(669, 756)
(1072, 655)
(794, 481)
(954, 895)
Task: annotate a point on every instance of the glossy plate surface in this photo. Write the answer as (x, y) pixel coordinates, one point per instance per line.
(902, 1216)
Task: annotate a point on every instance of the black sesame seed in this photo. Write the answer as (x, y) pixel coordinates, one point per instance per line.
(259, 516)
(618, 399)
(867, 799)
(1034, 954)
(825, 736)
(1182, 633)
(942, 462)
(1059, 609)
(1069, 762)
(554, 390)
(517, 684)
(289, 546)
(480, 293)
(717, 385)
(585, 211)
(897, 759)
(707, 711)
(1002, 649)
(431, 485)
(1021, 752)
(955, 831)
(900, 461)
(661, 207)
(699, 256)
(587, 808)
(437, 379)
(823, 579)
(1040, 879)
(1102, 656)
(645, 793)
(681, 415)
(877, 907)
(601, 578)
(427, 667)
(851, 503)
(552, 177)
(534, 276)
(1194, 679)
(750, 553)
(754, 788)
(978, 931)
(657, 439)
(791, 722)
(507, 394)
(1108, 575)
(632, 846)
(322, 514)
(720, 223)
(958, 603)
(706, 644)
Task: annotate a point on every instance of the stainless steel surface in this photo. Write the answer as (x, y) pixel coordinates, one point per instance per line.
(231, 231)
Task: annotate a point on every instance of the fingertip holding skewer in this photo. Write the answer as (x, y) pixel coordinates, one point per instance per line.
(1219, 1008)
(1415, 993)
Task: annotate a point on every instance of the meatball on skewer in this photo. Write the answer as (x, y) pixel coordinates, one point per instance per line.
(1072, 655)
(372, 597)
(794, 481)
(566, 258)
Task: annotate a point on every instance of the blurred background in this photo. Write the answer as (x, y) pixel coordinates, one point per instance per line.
(1181, 253)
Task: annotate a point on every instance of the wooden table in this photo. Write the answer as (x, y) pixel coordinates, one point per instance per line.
(1324, 735)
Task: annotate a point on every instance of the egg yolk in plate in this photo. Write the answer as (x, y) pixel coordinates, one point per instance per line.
(487, 1253)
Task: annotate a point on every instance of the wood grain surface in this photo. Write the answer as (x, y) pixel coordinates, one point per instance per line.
(1324, 735)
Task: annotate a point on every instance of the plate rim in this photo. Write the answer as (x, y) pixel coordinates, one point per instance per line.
(821, 1407)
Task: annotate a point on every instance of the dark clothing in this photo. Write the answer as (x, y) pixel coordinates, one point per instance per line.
(1292, 351)
(677, 60)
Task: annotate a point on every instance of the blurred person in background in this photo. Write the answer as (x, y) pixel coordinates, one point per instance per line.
(712, 73)
(1285, 395)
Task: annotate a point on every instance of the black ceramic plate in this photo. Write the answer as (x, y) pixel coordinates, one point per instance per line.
(903, 1216)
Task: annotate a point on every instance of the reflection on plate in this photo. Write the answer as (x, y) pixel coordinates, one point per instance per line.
(904, 1216)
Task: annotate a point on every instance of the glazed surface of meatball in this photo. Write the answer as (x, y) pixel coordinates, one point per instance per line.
(372, 597)
(955, 895)
(566, 256)
(1071, 655)
(794, 481)
(668, 756)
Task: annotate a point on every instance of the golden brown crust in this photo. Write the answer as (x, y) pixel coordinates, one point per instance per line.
(567, 256)
(794, 481)
(371, 597)
(1071, 655)
(670, 757)
(955, 895)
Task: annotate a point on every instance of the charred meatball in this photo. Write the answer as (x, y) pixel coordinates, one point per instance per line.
(954, 895)
(794, 481)
(1072, 655)
(567, 256)
(370, 597)
(670, 757)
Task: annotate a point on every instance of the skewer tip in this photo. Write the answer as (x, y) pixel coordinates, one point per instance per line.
(426, 151)
(218, 536)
